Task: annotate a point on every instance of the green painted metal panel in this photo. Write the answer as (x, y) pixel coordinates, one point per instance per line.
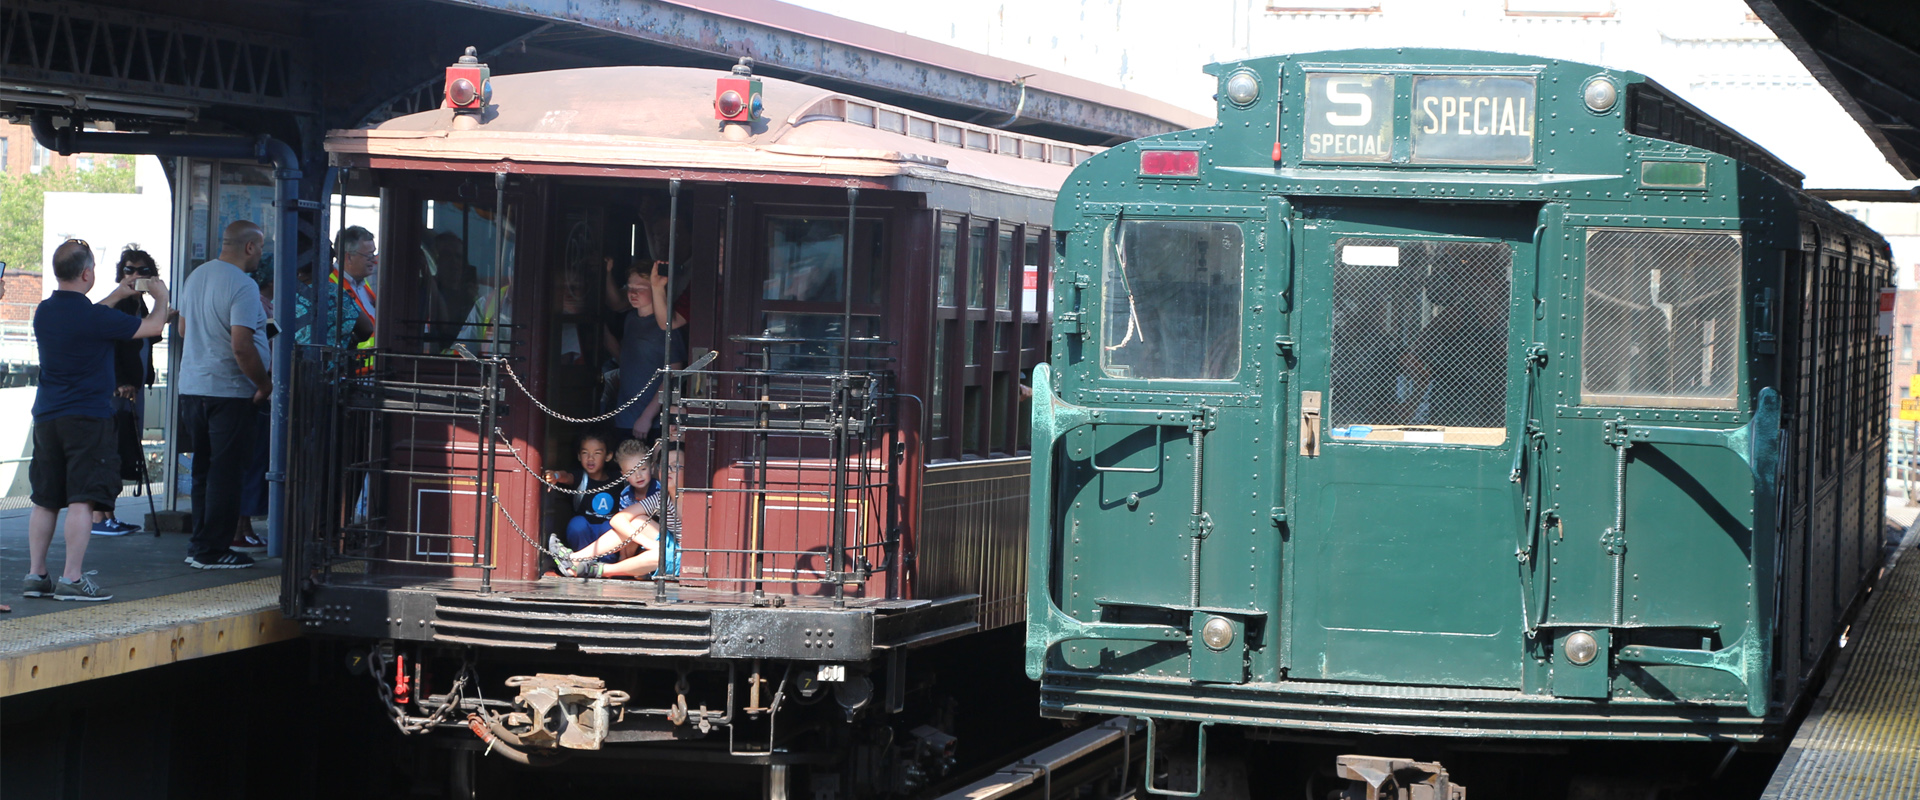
(1394, 498)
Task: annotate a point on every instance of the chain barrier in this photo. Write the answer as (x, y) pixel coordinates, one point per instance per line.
(578, 420)
(541, 476)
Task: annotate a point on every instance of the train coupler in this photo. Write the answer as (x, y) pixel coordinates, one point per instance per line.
(1378, 778)
(571, 711)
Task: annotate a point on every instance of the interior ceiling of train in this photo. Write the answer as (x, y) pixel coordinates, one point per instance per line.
(1867, 53)
(213, 66)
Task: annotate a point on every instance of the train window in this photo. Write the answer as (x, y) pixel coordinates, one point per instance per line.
(978, 252)
(1662, 319)
(466, 292)
(819, 333)
(1172, 300)
(1420, 340)
(806, 258)
(1003, 285)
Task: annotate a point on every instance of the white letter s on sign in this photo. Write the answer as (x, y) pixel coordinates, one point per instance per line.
(1363, 100)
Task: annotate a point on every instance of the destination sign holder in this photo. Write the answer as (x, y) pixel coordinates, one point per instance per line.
(1341, 140)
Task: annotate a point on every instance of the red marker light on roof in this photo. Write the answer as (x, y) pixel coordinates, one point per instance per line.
(1177, 163)
(736, 98)
(729, 104)
(467, 89)
(460, 92)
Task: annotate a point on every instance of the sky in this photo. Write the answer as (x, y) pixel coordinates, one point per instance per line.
(1713, 53)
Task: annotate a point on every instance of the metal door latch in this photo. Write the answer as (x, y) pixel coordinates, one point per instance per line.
(1310, 424)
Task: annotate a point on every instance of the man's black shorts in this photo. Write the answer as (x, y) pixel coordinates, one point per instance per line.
(74, 460)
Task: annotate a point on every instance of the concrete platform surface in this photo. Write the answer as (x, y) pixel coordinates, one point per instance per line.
(162, 610)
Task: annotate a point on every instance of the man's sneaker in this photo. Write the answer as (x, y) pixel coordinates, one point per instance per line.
(84, 590)
(114, 527)
(248, 542)
(222, 560)
(37, 586)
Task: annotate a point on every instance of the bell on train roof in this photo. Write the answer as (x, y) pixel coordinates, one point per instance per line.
(736, 101)
(468, 89)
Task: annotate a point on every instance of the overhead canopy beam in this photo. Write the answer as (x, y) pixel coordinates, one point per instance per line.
(792, 42)
(1872, 67)
(115, 62)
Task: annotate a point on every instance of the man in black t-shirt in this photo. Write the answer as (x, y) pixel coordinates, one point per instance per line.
(75, 462)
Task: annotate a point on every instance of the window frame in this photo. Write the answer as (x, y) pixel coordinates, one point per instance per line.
(1735, 401)
(979, 391)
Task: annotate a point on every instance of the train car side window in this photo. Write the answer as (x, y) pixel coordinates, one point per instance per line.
(1172, 300)
(1420, 340)
(1662, 319)
(465, 291)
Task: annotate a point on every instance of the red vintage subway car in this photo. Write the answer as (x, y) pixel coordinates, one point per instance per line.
(859, 284)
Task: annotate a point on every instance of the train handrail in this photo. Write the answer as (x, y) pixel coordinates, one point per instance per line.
(1047, 625)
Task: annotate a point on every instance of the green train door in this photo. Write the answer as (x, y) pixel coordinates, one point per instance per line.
(1406, 412)
(1167, 551)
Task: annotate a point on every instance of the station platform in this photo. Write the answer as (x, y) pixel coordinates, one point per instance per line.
(162, 610)
(1861, 738)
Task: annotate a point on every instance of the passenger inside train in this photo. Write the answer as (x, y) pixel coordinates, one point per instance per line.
(587, 513)
(644, 503)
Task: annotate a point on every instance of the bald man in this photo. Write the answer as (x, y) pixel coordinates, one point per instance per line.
(223, 374)
(76, 463)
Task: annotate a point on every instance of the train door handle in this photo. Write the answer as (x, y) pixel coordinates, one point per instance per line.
(1310, 424)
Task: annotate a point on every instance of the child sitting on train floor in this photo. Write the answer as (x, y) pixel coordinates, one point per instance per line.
(644, 503)
(600, 490)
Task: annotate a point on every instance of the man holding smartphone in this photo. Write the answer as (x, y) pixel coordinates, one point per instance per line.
(75, 462)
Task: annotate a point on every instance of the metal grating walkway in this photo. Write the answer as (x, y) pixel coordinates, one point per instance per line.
(1861, 741)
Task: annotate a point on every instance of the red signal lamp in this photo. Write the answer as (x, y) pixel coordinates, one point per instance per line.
(1170, 163)
(736, 98)
(467, 89)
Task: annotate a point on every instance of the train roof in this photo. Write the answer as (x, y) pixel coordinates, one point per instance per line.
(663, 118)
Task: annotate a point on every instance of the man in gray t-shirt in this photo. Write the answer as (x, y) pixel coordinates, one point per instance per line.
(223, 373)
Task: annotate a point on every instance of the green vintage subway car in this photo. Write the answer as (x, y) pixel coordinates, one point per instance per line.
(1437, 392)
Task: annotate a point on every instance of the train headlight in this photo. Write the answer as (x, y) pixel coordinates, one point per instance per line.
(1243, 87)
(1601, 94)
(1580, 648)
(1217, 633)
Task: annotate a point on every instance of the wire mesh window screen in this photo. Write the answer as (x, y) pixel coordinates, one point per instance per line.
(1662, 319)
(1172, 300)
(1420, 340)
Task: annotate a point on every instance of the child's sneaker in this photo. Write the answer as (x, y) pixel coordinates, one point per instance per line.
(37, 586)
(562, 556)
(84, 590)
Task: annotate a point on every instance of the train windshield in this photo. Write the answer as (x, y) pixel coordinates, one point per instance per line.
(1172, 300)
(1420, 338)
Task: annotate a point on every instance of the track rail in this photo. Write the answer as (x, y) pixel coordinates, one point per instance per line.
(1102, 754)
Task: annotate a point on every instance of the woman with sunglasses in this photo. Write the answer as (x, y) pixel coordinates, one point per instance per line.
(132, 373)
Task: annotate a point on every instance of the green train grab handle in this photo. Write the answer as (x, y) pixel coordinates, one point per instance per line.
(1758, 444)
(1047, 625)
